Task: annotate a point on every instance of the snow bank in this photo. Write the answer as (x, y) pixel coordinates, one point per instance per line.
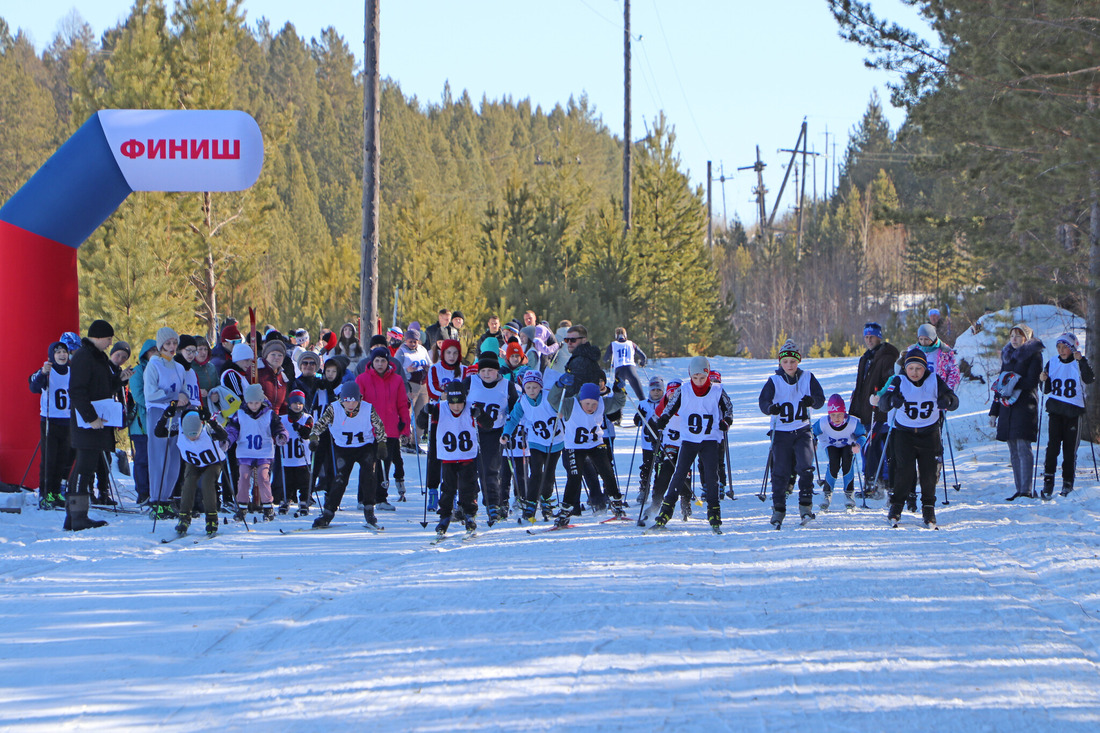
(980, 345)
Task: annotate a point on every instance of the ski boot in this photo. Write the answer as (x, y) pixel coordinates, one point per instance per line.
(528, 514)
(323, 520)
(894, 515)
(685, 507)
(664, 515)
(211, 524)
(562, 520)
(777, 518)
(806, 514)
(385, 506)
(303, 509)
(911, 502)
(617, 509)
(849, 498)
(183, 525)
(826, 500)
(929, 516)
(284, 508)
(368, 517)
(1067, 488)
(503, 512)
(401, 490)
(549, 508)
(1048, 486)
(493, 514)
(714, 517)
(241, 513)
(433, 499)
(269, 512)
(76, 513)
(470, 524)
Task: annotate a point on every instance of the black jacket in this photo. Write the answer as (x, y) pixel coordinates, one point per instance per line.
(584, 365)
(91, 378)
(1020, 420)
(875, 369)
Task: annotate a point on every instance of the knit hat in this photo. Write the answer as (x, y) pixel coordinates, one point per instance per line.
(699, 365)
(531, 375)
(242, 352)
(916, 356)
(253, 393)
(329, 338)
(933, 312)
(191, 424)
(231, 333)
(588, 391)
(100, 329)
(836, 404)
(186, 341)
(376, 340)
(412, 333)
(657, 383)
(1068, 339)
(1024, 329)
(296, 396)
(71, 340)
(514, 349)
(456, 392)
(789, 349)
(872, 329)
(272, 346)
(927, 331)
(528, 332)
(308, 356)
(121, 346)
(164, 334)
(380, 352)
(457, 314)
(672, 386)
(350, 391)
(488, 360)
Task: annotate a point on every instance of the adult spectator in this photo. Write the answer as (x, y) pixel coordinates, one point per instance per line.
(439, 331)
(1015, 408)
(384, 389)
(492, 331)
(874, 370)
(584, 360)
(221, 354)
(91, 378)
(415, 361)
(941, 324)
(463, 337)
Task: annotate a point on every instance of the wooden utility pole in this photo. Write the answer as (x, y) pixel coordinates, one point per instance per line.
(626, 116)
(710, 216)
(368, 273)
(761, 207)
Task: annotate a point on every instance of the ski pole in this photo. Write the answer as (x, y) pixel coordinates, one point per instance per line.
(762, 496)
(112, 491)
(23, 481)
(1038, 442)
(237, 504)
(729, 468)
(630, 471)
(885, 446)
(943, 472)
(862, 488)
(817, 463)
(1092, 443)
(951, 452)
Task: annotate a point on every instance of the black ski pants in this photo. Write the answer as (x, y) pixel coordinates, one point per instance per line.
(56, 458)
(792, 455)
(458, 478)
(204, 479)
(707, 452)
(488, 466)
(574, 460)
(346, 459)
(1062, 437)
(540, 484)
(916, 453)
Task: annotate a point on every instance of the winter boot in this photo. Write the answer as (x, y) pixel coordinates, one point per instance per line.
(385, 506)
(211, 524)
(269, 512)
(401, 490)
(685, 507)
(806, 513)
(470, 524)
(303, 509)
(241, 513)
(929, 515)
(777, 518)
(441, 528)
(323, 520)
(827, 498)
(284, 508)
(76, 513)
(617, 509)
(1067, 487)
(911, 502)
(562, 520)
(714, 516)
(849, 498)
(528, 512)
(183, 524)
(433, 499)
(1048, 486)
(1019, 495)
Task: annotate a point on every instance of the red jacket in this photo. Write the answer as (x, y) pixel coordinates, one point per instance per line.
(275, 387)
(386, 393)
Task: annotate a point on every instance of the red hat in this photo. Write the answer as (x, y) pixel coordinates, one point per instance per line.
(231, 332)
(514, 349)
(329, 338)
(836, 404)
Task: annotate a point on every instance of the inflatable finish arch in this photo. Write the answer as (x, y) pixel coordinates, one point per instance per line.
(113, 154)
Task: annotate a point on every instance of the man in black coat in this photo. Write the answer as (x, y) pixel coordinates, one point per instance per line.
(584, 362)
(875, 369)
(92, 378)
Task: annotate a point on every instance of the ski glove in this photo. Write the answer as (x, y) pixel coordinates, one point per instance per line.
(775, 409)
(806, 401)
(947, 401)
(894, 400)
(637, 419)
(617, 386)
(724, 425)
(314, 441)
(565, 380)
(381, 450)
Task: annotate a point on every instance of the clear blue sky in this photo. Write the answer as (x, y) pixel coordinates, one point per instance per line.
(729, 74)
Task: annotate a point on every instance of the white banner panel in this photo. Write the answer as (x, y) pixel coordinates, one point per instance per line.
(184, 150)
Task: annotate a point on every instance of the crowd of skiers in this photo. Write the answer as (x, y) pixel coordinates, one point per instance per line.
(265, 422)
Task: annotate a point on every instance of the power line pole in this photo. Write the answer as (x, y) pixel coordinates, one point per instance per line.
(710, 217)
(626, 116)
(761, 207)
(368, 273)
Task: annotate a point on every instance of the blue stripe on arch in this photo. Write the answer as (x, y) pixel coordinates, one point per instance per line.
(73, 192)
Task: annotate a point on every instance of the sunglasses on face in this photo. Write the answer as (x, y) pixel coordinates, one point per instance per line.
(571, 339)
(234, 342)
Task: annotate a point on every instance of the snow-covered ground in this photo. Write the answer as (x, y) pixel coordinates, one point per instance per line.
(991, 623)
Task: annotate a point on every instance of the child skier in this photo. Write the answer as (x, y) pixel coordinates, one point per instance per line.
(705, 413)
(200, 446)
(358, 437)
(296, 454)
(670, 440)
(52, 382)
(255, 429)
(457, 449)
(491, 399)
(844, 437)
(1062, 379)
(582, 419)
(918, 396)
(533, 415)
(646, 410)
(447, 369)
(788, 396)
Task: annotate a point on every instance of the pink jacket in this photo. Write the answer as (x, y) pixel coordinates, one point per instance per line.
(388, 396)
